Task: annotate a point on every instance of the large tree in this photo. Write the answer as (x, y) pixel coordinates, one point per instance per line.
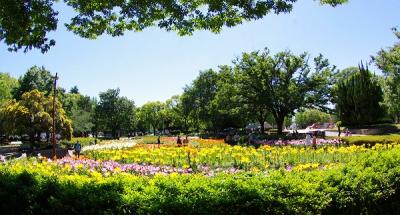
(358, 99)
(282, 83)
(185, 109)
(33, 114)
(226, 107)
(203, 90)
(174, 117)
(35, 78)
(26, 24)
(114, 113)
(152, 115)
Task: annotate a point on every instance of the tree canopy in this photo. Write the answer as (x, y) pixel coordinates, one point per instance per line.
(152, 114)
(307, 117)
(80, 109)
(389, 62)
(26, 24)
(114, 113)
(33, 114)
(282, 83)
(35, 78)
(7, 85)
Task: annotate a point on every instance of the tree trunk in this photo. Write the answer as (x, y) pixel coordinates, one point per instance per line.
(279, 124)
(154, 130)
(262, 128)
(114, 134)
(32, 138)
(186, 126)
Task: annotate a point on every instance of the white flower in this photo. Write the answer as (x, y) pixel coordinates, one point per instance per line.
(112, 145)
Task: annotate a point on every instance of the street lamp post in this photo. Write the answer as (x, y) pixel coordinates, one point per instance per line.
(54, 117)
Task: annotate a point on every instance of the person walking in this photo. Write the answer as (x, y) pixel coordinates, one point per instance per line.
(179, 141)
(158, 141)
(77, 148)
(186, 141)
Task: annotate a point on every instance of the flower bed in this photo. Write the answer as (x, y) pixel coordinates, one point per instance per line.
(109, 145)
(319, 142)
(225, 156)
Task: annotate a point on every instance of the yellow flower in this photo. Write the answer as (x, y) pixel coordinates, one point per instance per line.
(245, 160)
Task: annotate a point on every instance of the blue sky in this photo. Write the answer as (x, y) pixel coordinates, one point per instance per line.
(154, 64)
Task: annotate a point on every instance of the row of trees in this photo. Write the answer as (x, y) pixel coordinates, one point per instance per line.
(26, 108)
(259, 87)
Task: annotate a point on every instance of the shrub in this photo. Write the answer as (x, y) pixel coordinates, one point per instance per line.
(85, 141)
(371, 140)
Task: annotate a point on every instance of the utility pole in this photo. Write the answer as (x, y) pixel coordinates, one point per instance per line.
(54, 117)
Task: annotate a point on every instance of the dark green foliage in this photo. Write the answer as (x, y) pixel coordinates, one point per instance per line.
(282, 83)
(114, 113)
(358, 99)
(74, 90)
(26, 23)
(371, 140)
(202, 91)
(27, 194)
(81, 110)
(35, 78)
(212, 103)
(152, 114)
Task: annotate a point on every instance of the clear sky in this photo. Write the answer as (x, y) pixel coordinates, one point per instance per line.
(155, 65)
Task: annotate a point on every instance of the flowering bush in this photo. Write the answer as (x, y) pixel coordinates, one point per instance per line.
(319, 142)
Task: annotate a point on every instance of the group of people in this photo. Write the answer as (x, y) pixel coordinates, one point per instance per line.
(179, 141)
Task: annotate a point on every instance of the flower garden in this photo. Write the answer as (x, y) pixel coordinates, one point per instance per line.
(206, 177)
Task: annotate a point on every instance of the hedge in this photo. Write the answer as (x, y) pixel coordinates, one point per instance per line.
(371, 140)
(85, 141)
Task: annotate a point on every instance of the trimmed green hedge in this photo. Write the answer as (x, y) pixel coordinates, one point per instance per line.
(371, 140)
(85, 141)
(369, 185)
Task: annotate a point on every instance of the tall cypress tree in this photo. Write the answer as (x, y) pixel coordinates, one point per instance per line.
(358, 98)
